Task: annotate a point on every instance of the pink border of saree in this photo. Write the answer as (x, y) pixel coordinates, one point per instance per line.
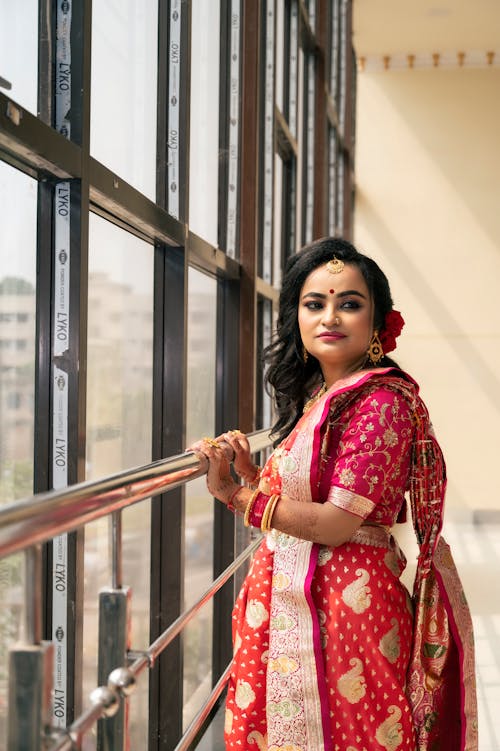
(297, 704)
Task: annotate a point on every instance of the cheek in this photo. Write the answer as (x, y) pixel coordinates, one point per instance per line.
(365, 327)
(301, 322)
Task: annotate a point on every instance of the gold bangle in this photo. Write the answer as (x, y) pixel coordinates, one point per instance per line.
(248, 510)
(267, 516)
(256, 476)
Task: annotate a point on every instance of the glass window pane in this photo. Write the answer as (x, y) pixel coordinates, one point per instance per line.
(124, 76)
(19, 50)
(18, 199)
(309, 147)
(119, 414)
(202, 307)
(268, 148)
(204, 104)
(293, 61)
(281, 57)
(332, 180)
(264, 333)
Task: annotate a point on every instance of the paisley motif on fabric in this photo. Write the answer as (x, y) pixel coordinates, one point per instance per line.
(389, 644)
(256, 613)
(390, 733)
(284, 708)
(287, 464)
(259, 740)
(324, 556)
(244, 695)
(283, 665)
(357, 594)
(392, 563)
(282, 622)
(281, 581)
(352, 685)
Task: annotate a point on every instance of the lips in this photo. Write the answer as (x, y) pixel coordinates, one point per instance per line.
(331, 336)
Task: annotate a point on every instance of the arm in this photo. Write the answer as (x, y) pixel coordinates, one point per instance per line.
(370, 451)
(318, 522)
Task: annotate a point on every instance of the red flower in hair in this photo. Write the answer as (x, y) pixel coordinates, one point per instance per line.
(391, 329)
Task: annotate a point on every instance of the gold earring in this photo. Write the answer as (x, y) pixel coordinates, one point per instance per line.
(305, 355)
(375, 351)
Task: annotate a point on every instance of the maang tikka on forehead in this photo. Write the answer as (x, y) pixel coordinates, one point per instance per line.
(335, 266)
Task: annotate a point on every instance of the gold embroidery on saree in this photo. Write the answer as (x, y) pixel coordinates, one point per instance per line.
(357, 594)
(281, 581)
(389, 644)
(352, 685)
(350, 501)
(244, 695)
(283, 665)
(256, 613)
(390, 733)
(284, 708)
(259, 739)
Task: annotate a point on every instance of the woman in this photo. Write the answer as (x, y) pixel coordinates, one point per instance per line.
(329, 650)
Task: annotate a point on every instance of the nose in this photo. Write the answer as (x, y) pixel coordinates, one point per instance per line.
(330, 317)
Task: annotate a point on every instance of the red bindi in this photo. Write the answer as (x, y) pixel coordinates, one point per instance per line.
(331, 291)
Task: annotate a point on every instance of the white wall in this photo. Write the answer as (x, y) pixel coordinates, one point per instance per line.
(428, 210)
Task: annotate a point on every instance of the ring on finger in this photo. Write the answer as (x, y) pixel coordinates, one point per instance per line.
(211, 442)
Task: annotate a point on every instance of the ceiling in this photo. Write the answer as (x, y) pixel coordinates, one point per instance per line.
(425, 27)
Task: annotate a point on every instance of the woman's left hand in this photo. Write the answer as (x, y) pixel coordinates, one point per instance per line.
(220, 482)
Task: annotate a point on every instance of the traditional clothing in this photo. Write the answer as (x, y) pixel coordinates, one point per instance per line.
(330, 652)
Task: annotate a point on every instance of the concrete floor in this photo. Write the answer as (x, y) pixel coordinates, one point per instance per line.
(475, 546)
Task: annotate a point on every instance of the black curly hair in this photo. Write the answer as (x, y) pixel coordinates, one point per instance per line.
(287, 376)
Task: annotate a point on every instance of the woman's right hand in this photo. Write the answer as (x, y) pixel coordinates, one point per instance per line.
(243, 464)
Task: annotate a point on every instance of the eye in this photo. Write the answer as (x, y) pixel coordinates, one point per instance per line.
(350, 305)
(313, 305)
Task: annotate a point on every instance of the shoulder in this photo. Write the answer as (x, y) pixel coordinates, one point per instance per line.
(386, 394)
(381, 399)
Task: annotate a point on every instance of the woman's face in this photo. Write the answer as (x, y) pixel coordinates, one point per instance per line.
(335, 319)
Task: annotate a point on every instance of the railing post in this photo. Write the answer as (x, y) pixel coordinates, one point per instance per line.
(30, 670)
(30, 696)
(114, 636)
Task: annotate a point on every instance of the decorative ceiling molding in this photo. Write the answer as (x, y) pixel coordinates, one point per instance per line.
(446, 60)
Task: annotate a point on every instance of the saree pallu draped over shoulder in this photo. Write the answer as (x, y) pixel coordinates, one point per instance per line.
(327, 654)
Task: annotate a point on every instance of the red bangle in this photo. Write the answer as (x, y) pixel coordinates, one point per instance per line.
(229, 504)
(258, 507)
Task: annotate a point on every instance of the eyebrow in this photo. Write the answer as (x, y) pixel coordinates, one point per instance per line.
(346, 293)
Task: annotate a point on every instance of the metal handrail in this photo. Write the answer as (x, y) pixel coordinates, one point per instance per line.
(26, 524)
(41, 517)
(106, 697)
(198, 721)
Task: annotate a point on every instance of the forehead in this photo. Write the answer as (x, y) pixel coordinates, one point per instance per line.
(322, 280)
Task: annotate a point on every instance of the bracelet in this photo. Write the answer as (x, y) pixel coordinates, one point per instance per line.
(246, 517)
(258, 509)
(256, 476)
(267, 516)
(229, 504)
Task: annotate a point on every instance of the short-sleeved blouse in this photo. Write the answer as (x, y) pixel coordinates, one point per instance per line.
(369, 456)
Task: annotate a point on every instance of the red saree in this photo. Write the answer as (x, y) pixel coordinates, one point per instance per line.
(327, 652)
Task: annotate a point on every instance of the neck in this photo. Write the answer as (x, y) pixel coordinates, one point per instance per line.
(333, 374)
